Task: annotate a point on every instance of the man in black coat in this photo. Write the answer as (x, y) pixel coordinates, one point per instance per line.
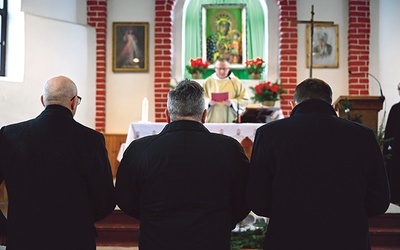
(186, 185)
(57, 175)
(317, 177)
(392, 149)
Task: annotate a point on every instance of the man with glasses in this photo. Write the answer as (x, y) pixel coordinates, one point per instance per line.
(57, 175)
(225, 95)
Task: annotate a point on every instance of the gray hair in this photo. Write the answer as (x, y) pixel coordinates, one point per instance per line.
(186, 101)
(313, 88)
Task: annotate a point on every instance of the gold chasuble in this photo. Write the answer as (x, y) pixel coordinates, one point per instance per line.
(220, 113)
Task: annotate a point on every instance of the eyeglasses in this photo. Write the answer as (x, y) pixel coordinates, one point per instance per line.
(222, 68)
(79, 99)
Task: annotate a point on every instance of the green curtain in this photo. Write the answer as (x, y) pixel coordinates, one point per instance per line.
(192, 27)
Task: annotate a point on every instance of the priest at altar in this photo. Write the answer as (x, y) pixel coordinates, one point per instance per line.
(226, 97)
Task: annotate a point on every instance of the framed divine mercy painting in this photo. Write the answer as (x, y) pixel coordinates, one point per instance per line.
(130, 47)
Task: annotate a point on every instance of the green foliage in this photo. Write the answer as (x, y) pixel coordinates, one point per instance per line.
(254, 69)
(380, 137)
(253, 239)
(346, 106)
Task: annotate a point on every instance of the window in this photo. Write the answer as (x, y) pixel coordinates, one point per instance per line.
(3, 33)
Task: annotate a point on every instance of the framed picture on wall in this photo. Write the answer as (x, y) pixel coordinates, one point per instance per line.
(325, 46)
(224, 32)
(130, 47)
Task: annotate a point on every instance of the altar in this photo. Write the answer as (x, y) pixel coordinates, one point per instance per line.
(244, 133)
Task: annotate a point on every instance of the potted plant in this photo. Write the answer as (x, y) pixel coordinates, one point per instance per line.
(267, 92)
(196, 67)
(254, 67)
(251, 238)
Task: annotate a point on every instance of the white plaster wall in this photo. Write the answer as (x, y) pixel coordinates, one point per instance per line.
(125, 91)
(52, 47)
(385, 50)
(73, 11)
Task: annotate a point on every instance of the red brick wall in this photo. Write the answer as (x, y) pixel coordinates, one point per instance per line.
(97, 17)
(287, 51)
(163, 55)
(358, 39)
(358, 61)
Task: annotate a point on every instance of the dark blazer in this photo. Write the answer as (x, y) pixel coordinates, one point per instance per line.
(186, 185)
(58, 179)
(318, 178)
(392, 131)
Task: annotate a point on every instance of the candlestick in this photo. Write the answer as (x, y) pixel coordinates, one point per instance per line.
(145, 110)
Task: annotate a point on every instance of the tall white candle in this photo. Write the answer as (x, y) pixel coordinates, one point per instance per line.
(145, 110)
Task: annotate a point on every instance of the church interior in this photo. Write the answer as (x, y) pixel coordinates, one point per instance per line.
(79, 39)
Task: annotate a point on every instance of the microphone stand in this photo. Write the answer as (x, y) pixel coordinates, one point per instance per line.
(371, 75)
(380, 86)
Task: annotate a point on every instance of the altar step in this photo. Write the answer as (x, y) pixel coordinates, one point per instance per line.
(385, 231)
(117, 229)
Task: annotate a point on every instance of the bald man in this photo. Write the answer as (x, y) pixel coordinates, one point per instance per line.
(57, 175)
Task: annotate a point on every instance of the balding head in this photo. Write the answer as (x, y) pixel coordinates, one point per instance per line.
(60, 90)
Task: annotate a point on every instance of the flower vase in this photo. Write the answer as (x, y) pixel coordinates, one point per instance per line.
(268, 103)
(196, 75)
(255, 76)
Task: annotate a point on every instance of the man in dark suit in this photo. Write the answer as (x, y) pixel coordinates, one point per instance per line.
(185, 185)
(57, 175)
(317, 177)
(392, 148)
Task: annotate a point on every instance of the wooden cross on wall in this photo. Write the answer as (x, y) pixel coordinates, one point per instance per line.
(312, 22)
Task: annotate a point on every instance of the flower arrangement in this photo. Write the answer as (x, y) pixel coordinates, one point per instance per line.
(255, 65)
(267, 91)
(197, 65)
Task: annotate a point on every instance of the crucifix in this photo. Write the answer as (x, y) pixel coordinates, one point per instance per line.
(312, 22)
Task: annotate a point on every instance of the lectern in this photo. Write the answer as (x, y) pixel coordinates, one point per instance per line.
(365, 106)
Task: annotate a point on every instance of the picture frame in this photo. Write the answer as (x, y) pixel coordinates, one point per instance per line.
(130, 47)
(325, 46)
(224, 33)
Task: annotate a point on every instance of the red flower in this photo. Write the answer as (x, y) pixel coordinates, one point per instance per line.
(267, 91)
(197, 65)
(275, 88)
(259, 88)
(254, 65)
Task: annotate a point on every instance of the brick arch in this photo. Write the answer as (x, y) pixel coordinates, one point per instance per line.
(359, 39)
(162, 55)
(97, 18)
(287, 51)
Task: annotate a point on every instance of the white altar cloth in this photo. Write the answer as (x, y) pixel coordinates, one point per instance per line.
(238, 131)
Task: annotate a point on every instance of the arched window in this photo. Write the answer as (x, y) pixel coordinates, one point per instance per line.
(254, 31)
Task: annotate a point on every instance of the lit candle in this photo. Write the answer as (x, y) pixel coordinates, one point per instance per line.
(145, 110)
